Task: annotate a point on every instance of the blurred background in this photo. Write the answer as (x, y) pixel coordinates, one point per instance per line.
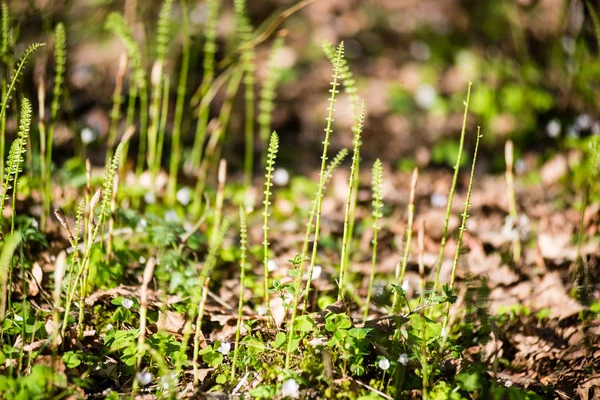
(534, 65)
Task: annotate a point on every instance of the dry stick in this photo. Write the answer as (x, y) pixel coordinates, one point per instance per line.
(400, 272)
(452, 189)
(59, 274)
(222, 176)
(141, 348)
(462, 230)
(510, 192)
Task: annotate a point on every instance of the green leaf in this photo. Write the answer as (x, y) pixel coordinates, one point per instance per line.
(213, 358)
(358, 333)
(280, 339)
(71, 359)
(304, 323)
(333, 322)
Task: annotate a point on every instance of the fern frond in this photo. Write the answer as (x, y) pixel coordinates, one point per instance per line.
(268, 92)
(6, 31)
(60, 48)
(377, 187)
(117, 24)
(17, 75)
(346, 77)
(162, 30)
(272, 154)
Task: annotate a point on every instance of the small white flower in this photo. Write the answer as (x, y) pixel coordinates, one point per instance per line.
(18, 318)
(109, 327)
(35, 224)
(584, 121)
(419, 50)
(384, 364)
(143, 223)
(405, 285)
(127, 303)
(171, 216)
(261, 311)
(272, 266)
(425, 96)
(166, 380)
(438, 200)
(290, 389)
(281, 177)
(184, 196)
(149, 198)
(508, 384)
(316, 273)
(403, 359)
(142, 260)
(569, 44)
(144, 378)
(520, 167)
(553, 128)
(87, 135)
(225, 348)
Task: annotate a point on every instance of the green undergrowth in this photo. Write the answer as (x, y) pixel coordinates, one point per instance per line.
(183, 289)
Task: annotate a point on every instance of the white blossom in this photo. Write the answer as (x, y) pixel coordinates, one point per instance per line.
(403, 359)
(290, 389)
(127, 303)
(281, 177)
(87, 135)
(438, 200)
(225, 348)
(553, 128)
(384, 364)
(425, 96)
(184, 196)
(144, 378)
(272, 266)
(149, 198)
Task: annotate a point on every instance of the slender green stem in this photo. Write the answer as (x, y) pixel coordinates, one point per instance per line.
(243, 248)
(463, 227)
(377, 184)
(510, 192)
(179, 104)
(162, 126)
(409, 230)
(353, 172)
(215, 139)
(438, 266)
(210, 49)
